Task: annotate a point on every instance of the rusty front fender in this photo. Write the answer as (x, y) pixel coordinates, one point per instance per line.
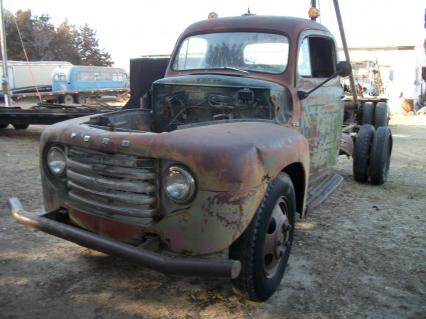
(232, 162)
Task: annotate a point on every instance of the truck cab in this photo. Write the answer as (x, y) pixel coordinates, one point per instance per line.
(216, 161)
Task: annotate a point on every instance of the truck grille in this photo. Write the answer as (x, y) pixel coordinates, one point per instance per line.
(112, 184)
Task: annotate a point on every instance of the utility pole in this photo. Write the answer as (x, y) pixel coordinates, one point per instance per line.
(345, 48)
(5, 78)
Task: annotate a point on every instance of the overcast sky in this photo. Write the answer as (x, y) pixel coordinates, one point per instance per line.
(130, 28)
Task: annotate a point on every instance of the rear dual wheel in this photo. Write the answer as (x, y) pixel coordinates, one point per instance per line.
(362, 150)
(367, 113)
(372, 152)
(377, 115)
(381, 115)
(381, 150)
(264, 247)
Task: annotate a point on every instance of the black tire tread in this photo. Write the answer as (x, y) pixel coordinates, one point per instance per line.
(381, 151)
(381, 115)
(246, 287)
(239, 250)
(367, 113)
(361, 157)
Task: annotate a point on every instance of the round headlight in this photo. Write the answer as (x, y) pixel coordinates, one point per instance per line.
(56, 161)
(180, 185)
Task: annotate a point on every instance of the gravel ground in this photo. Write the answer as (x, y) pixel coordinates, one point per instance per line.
(361, 254)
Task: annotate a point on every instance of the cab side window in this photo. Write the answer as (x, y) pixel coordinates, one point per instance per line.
(316, 58)
(304, 60)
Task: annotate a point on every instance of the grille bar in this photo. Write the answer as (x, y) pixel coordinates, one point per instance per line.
(115, 196)
(109, 208)
(113, 184)
(113, 171)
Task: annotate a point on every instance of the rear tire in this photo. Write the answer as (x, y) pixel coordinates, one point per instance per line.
(20, 126)
(367, 113)
(68, 99)
(361, 157)
(264, 247)
(81, 99)
(381, 151)
(381, 115)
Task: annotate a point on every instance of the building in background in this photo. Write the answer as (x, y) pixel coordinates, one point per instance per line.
(400, 68)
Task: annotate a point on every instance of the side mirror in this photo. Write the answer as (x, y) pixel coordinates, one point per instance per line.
(343, 68)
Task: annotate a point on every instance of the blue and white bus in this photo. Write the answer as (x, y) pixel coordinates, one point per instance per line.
(88, 78)
(76, 83)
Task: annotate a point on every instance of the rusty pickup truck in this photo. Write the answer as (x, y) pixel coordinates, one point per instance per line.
(209, 174)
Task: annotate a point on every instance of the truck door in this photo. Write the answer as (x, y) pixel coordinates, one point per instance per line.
(322, 111)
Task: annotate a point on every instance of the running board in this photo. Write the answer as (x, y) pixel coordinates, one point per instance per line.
(319, 191)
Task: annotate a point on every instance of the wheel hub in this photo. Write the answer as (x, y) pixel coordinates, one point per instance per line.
(277, 238)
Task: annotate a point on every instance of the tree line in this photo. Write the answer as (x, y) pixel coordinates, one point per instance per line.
(45, 42)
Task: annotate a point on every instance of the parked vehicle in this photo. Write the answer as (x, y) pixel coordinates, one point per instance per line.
(80, 79)
(368, 79)
(224, 153)
(27, 75)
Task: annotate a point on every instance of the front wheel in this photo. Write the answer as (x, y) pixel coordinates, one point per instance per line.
(264, 247)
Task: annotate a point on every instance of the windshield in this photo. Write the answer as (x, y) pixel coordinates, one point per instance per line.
(239, 51)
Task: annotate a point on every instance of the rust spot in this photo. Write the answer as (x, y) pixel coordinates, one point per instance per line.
(234, 213)
(266, 178)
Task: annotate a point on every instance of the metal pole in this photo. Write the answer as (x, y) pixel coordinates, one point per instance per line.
(5, 78)
(313, 5)
(345, 48)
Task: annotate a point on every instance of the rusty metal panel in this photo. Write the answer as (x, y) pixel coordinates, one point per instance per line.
(213, 221)
(322, 123)
(231, 177)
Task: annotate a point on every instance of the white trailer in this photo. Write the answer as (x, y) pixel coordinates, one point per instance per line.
(31, 74)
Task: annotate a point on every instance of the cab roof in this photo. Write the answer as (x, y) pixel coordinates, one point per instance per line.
(275, 24)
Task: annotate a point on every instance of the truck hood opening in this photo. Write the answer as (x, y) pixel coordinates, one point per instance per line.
(196, 100)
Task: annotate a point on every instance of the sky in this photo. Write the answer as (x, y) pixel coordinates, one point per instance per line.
(128, 29)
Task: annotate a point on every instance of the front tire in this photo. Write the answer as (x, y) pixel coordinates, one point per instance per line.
(264, 247)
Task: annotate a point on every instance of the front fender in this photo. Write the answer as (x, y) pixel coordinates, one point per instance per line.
(233, 164)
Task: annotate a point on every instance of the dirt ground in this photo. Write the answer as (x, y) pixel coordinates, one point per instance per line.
(361, 254)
